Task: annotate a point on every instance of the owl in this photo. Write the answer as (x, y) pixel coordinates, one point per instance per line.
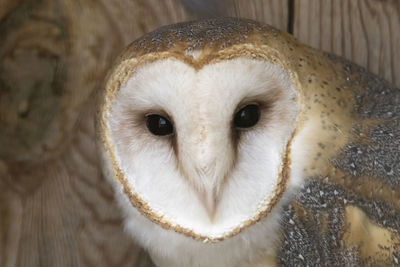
(229, 143)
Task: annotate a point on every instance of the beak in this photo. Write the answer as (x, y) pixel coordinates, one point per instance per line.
(210, 199)
(205, 158)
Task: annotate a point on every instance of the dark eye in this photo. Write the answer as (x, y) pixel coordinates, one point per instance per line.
(158, 125)
(247, 116)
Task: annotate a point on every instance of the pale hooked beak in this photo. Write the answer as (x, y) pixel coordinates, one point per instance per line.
(205, 160)
(210, 199)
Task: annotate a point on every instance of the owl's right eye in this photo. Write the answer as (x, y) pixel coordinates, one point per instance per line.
(158, 125)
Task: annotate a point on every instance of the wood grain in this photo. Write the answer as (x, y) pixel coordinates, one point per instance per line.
(61, 212)
(364, 31)
(273, 12)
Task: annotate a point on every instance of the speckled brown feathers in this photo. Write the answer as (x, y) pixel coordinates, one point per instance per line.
(351, 216)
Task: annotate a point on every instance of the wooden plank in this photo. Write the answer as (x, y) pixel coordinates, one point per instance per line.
(7, 6)
(366, 32)
(272, 12)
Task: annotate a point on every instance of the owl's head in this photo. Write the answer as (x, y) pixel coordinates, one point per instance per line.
(198, 123)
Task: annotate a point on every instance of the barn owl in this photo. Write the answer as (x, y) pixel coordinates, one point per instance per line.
(229, 143)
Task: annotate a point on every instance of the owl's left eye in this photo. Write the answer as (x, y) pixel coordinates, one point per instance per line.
(247, 117)
(158, 125)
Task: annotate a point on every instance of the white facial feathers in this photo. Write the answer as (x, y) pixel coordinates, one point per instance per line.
(208, 176)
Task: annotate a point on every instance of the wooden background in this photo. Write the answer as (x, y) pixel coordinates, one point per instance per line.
(55, 207)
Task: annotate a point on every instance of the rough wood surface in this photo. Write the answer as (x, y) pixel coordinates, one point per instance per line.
(366, 32)
(273, 12)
